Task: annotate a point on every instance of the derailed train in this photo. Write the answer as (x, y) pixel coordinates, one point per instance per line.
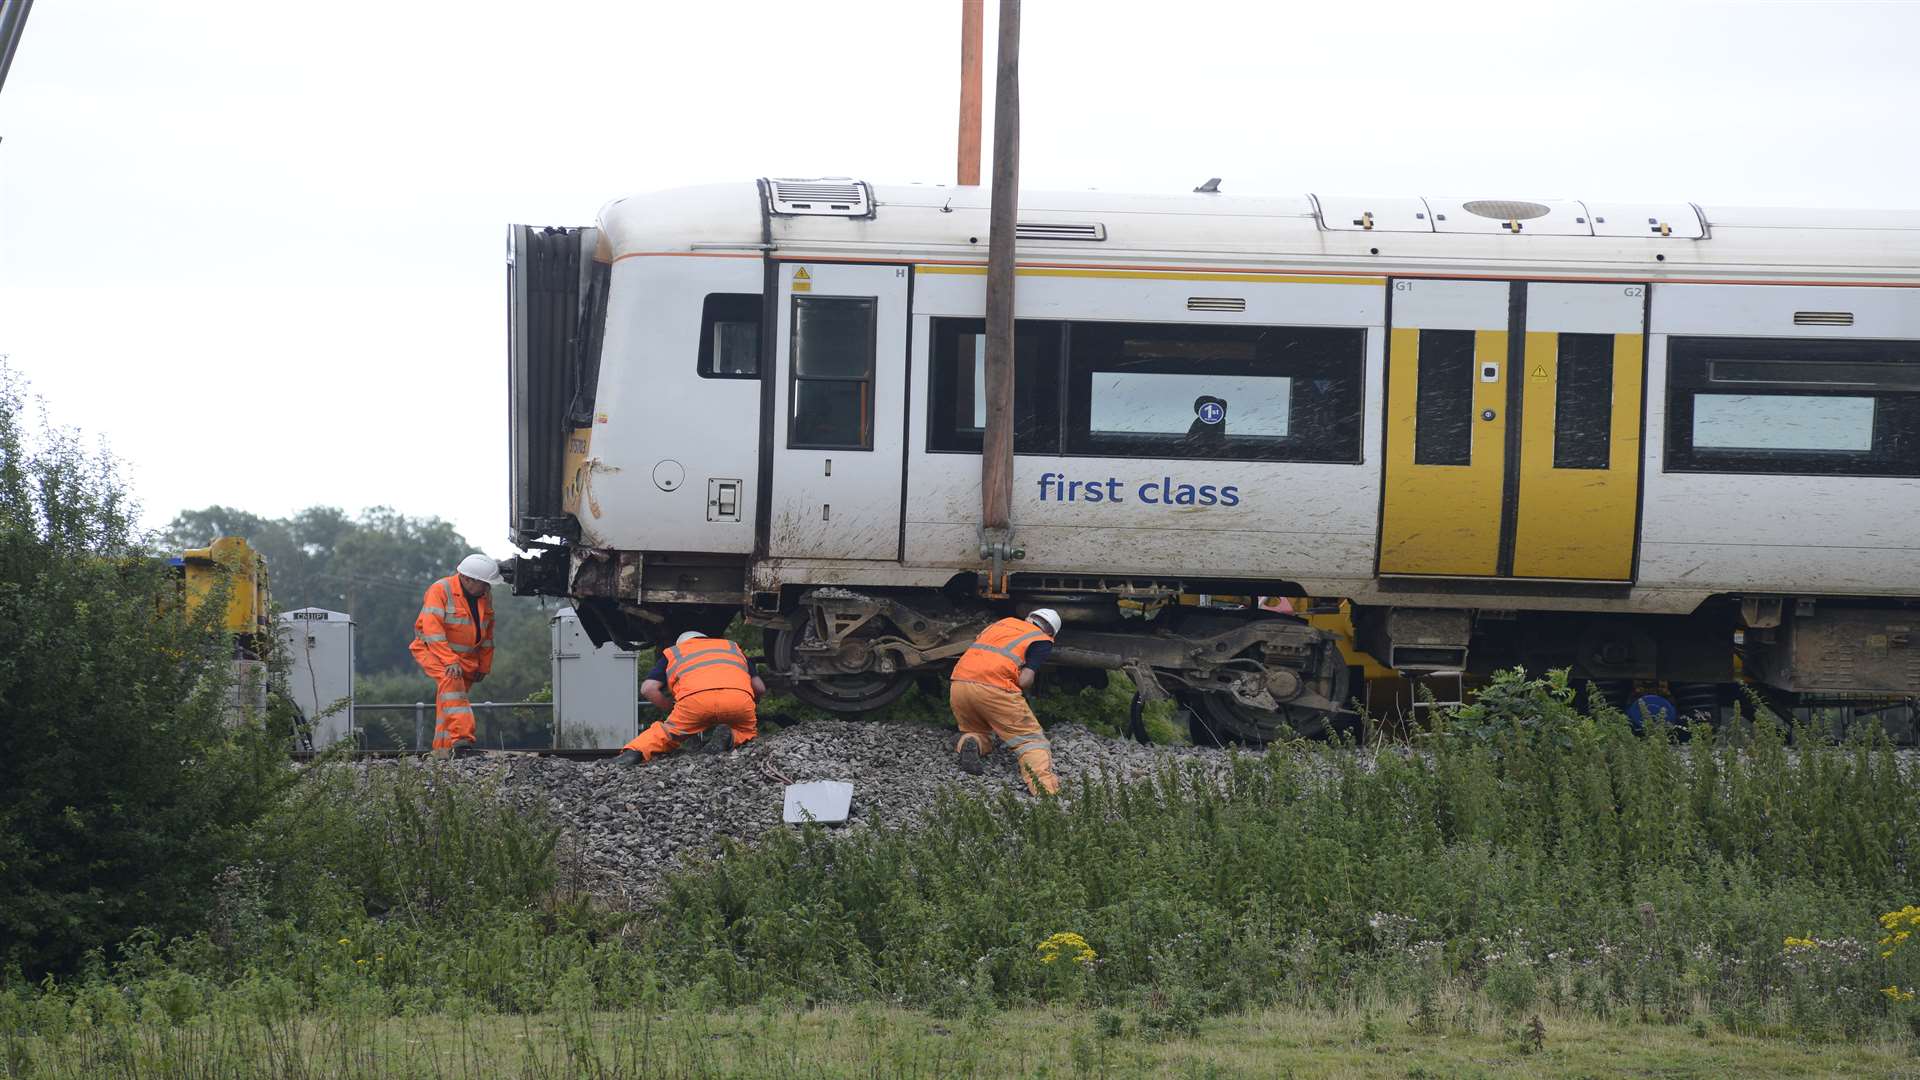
(1646, 442)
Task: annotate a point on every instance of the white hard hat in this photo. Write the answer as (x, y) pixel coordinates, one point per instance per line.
(688, 636)
(481, 568)
(1048, 616)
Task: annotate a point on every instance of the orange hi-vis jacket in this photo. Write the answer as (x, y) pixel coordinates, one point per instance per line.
(707, 664)
(997, 655)
(448, 632)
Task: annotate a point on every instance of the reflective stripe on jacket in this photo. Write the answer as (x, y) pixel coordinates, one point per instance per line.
(997, 655)
(449, 632)
(707, 664)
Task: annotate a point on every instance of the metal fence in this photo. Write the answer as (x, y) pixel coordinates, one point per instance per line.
(499, 725)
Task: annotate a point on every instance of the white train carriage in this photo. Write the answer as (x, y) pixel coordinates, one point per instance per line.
(1637, 440)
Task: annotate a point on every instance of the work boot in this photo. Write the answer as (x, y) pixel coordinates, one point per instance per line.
(465, 750)
(628, 759)
(971, 761)
(717, 741)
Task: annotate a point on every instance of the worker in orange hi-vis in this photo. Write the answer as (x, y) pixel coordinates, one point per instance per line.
(989, 697)
(712, 684)
(453, 644)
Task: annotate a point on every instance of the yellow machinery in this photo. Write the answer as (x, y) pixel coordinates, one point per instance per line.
(230, 560)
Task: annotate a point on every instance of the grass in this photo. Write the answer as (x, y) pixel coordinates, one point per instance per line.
(1665, 909)
(1376, 1040)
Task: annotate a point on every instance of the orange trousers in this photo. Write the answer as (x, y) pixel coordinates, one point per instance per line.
(697, 713)
(452, 713)
(985, 713)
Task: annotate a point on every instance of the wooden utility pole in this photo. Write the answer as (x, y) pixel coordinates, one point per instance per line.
(996, 459)
(970, 16)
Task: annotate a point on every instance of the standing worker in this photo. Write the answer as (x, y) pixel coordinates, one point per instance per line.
(712, 684)
(989, 685)
(453, 644)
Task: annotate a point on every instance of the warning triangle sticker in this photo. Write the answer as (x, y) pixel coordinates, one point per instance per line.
(1539, 371)
(802, 275)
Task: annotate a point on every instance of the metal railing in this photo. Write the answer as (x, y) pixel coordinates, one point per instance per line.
(499, 725)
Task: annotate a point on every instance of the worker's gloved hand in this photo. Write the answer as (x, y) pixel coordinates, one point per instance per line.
(455, 671)
(476, 677)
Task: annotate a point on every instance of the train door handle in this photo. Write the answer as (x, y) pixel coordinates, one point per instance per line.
(1487, 414)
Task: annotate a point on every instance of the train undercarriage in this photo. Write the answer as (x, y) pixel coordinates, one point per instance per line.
(1249, 675)
(1243, 673)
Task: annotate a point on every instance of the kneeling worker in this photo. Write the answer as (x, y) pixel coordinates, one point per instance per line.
(988, 698)
(712, 684)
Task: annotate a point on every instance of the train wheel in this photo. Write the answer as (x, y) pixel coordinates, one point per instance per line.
(852, 693)
(1227, 720)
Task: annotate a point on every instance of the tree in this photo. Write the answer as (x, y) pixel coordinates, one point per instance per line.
(124, 788)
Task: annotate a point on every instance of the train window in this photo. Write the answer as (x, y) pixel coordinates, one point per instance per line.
(730, 336)
(1262, 393)
(957, 390)
(1443, 399)
(1749, 405)
(1782, 422)
(1583, 402)
(1157, 403)
(832, 380)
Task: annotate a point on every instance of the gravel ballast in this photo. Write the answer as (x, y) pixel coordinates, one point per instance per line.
(624, 829)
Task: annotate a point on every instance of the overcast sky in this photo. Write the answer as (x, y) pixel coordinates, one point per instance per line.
(259, 246)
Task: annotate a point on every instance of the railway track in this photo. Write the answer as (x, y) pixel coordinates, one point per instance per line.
(384, 755)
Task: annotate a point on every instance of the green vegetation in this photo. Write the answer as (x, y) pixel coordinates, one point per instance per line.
(1542, 856)
(1359, 1041)
(1531, 861)
(122, 788)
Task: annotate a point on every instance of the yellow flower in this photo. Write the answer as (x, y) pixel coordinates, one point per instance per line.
(359, 961)
(1898, 994)
(1051, 948)
(344, 941)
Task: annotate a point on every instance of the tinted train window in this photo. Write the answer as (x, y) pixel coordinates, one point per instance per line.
(1744, 405)
(1443, 399)
(832, 387)
(730, 336)
(958, 387)
(1583, 402)
(1263, 393)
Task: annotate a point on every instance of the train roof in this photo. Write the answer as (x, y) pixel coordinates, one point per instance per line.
(839, 218)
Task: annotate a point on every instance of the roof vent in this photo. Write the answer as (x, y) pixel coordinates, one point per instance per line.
(1506, 209)
(1059, 230)
(1823, 318)
(1216, 303)
(830, 197)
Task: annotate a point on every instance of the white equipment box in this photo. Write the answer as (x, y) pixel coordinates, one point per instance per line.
(319, 646)
(596, 692)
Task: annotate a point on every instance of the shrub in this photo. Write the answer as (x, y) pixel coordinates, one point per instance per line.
(1526, 846)
(123, 791)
